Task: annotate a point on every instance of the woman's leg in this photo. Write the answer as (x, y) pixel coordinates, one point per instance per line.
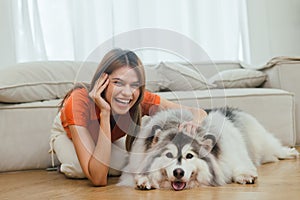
(64, 149)
(66, 154)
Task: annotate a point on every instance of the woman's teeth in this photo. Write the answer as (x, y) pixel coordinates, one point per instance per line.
(123, 101)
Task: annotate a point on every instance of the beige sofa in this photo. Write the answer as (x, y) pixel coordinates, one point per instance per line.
(30, 94)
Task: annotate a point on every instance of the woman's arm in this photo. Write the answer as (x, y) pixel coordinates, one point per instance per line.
(198, 113)
(93, 158)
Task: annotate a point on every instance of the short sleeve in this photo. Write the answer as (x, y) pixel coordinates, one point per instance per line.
(150, 103)
(75, 110)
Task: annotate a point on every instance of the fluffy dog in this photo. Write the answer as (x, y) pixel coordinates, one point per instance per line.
(227, 147)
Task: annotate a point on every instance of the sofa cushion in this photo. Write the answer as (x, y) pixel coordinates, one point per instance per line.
(155, 81)
(264, 104)
(35, 81)
(25, 132)
(182, 77)
(238, 78)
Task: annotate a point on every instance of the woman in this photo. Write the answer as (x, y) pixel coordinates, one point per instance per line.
(95, 116)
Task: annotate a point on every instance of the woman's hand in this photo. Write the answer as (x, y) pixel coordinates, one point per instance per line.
(192, 126)
(98, 89)
(189, 126)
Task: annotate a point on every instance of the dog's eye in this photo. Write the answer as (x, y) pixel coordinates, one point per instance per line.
(169, 155)
(189, 156)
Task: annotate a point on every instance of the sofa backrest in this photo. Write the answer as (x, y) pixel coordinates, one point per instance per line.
(208, 69)
(45, 80)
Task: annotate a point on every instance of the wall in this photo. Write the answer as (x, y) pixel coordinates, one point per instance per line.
(274, 29)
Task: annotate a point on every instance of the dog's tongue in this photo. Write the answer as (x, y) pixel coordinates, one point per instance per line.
(177, 185)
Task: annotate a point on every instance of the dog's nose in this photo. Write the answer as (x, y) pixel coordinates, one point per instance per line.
(178, 173)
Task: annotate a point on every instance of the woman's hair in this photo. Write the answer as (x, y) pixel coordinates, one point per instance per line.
(115, 59)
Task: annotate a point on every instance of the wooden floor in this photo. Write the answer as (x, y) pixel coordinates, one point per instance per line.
(280, 180)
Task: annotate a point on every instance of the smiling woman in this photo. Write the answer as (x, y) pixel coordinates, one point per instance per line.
(90, 114)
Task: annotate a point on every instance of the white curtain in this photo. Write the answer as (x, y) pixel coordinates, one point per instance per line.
(29, 40)
(74, 29)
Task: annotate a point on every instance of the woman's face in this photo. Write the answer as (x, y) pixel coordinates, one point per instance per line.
(123, 89)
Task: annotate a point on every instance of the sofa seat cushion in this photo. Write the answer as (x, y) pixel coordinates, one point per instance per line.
(25, 132)
(267, 105)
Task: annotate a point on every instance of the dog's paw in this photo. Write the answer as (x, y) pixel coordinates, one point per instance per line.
(143, 183)
(293, 152)
(245, 179)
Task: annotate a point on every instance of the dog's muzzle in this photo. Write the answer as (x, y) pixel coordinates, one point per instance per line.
(178, 184)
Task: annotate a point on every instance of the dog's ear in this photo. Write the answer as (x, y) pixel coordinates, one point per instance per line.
(207, 144)
(156, 131)
(153, 139)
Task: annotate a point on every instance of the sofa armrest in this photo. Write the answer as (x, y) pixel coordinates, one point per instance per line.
(284, 74)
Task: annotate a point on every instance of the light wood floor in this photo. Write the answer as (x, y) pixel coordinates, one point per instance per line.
(280, 180)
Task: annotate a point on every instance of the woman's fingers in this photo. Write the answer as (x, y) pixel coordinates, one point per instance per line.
(102, 86)
(99, 86)
(101, 81)
(98, 89)
(189, 127)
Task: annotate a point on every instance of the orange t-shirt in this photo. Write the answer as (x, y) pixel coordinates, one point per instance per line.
(79, 109)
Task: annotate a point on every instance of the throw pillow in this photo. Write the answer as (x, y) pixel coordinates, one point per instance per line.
(238, 78)
(154, 81)
(182, 78)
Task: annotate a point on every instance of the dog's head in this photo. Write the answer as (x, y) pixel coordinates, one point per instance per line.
(183, 161)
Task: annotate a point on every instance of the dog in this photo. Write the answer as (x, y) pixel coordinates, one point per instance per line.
(227, 147)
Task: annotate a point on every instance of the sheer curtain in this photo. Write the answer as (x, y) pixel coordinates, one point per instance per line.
(73, 29)
(29, 39)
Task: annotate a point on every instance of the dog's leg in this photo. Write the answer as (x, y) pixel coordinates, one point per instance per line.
(143, 182)
(264, 146)
(245, 176)
(273, 150)
(238, 165)
(287, 153)
(244, 170)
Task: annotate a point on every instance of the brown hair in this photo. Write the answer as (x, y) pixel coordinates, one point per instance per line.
(113, 60)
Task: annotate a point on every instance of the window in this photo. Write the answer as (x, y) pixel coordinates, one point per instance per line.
(74, 29)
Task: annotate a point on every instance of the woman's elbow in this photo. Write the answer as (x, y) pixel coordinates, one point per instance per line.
(99, 183)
